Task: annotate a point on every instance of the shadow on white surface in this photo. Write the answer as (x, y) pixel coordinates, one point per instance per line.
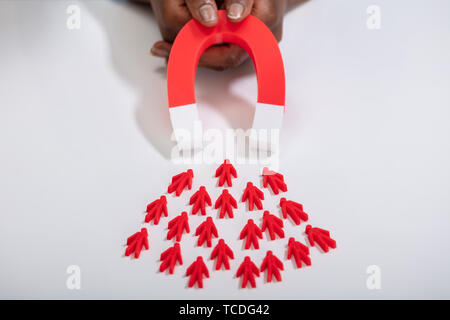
(127, 27)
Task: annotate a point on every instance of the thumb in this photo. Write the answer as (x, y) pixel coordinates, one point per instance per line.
(238, 10)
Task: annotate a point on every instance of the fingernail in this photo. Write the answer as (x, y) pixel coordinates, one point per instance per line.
(159, 52)
(235, 11)
(207, 13)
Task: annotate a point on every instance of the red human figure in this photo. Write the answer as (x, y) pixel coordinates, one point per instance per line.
(294, 210)
(299, 251)
(321, 237)
(222, 252)
(273, 265)
(177, 225)
(253, 195)
(196, 271)
(205, 231)
(199, 199)
(274, 179)
(225, 171)
(170, 257)
(251, 232)
(226, 202)
(136, 242)
(156, 209)
(248, 270)
(180, 181)
(273, 224)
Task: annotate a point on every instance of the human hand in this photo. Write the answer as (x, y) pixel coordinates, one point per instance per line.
(172, 15)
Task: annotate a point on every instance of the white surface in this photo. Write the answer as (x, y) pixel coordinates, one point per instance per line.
(183, 120)
(267, 122)
(85, 145)
(268, 116)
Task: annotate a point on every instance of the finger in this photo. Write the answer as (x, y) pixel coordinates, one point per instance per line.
(224, 57)
(171, 16)
(237, 10)
(269, 11)
(204, 11)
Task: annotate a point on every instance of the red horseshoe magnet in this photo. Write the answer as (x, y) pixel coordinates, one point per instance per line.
(252, 35)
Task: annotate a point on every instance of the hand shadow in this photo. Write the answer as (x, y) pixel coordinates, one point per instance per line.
(131, 29)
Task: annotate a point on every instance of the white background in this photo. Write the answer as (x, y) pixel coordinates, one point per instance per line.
(85, 145)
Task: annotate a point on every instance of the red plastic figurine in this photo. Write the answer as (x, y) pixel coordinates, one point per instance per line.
(225, 171)
(248, 270)
(273, 224)
(205, 231)
(299, 251)
(274, 179)
(136, 242)
(170, 257)
(156, 209)
(180, 181)
(196, 270)
(294, 210)
(222, 252)
(252, 233)
(177, 225)
(199, 200)
(321, 237)
(273, 265)
(253, 195)
(226, 202)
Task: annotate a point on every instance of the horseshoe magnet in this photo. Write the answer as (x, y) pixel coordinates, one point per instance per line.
(253, 36)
